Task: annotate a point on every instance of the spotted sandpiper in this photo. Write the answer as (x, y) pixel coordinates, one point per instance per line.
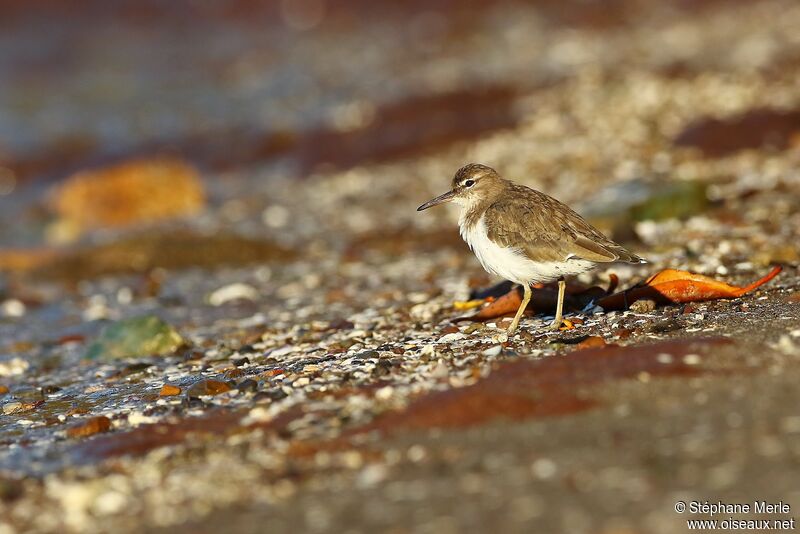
(525, 236)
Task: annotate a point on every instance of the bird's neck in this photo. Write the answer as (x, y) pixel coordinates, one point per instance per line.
(472, 209)
(471, 212)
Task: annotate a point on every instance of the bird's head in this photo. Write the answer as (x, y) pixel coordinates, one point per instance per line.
(471, 183)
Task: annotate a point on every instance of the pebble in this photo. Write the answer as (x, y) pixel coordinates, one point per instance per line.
(449, 338)
(691, 359)
(207, 387)
(544, 468)
(643, 306)
(440, 371)
(257, 415)
(12, 407)
(301, 382)
(135, 337)
(493, 351)
(592, 342)
(664, 358)
(232, 292)
(384, 393)
(168, 390)
(425, 311)
(89, 427)
(502, 337)
(248, 386)
(12, 308)
(13, 367)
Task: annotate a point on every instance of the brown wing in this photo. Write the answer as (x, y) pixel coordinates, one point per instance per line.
(547, 230)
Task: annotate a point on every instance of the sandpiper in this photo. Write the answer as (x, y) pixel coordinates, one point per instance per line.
(525, 236)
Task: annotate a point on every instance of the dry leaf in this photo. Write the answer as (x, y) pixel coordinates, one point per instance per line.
(543, 300)
(463, 305)
(673, 286)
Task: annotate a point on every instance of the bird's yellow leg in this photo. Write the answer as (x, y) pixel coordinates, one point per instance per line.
(556, 324)
(525, 300)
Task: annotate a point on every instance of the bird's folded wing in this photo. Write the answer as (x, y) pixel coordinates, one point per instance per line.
(548, 231)
(588, 249)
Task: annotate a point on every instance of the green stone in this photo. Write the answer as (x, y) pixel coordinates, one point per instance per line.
(134, 338)
(618, 207)
(672, 200)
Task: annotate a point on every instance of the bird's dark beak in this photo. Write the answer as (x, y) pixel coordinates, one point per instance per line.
(441, 199)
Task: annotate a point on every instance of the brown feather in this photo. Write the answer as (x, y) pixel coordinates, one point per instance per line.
(543, 228)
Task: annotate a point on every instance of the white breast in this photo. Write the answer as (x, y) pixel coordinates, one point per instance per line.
(512, 264)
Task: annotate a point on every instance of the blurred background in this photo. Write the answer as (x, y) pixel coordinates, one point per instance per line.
(243, 115)
(248, 171)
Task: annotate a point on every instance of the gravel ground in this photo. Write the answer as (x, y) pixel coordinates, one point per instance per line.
(319, 381)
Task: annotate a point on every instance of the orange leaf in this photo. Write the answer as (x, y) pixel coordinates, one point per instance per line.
(507, 304)
(674, 286)
(543, 301)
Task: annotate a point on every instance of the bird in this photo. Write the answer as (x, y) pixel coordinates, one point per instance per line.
(524, 235)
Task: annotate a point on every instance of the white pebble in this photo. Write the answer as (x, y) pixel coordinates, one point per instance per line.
(544, 468)
(691, 359)
(664, 358)
(493, 351)
(237, 291)
(12, 308)
(455, 336)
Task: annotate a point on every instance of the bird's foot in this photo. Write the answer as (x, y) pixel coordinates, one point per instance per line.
(561, 324)
(512, 327)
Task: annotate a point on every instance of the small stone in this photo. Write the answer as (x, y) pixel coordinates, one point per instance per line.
(262, 396)
(385, 393)
(493, 351)
(383, 367)
(233, 373)
(473, 328)
(168, 390)
(248, 386)
(440, 371)
(301, 382)
(502, 337)
(193, 403)
(449, 338)
(341, 324)
(791, 424)
(3, 389)
(89, 427)
(12, 407)
(256, 415)
(207, 387)
(233, 292)
(136, 337)
(664, 358)
(592, 342)
(623, 333)
(544, 468)
(643, 306)
(691, 359)
(425, 311)
(12, 308)
(276, 394)
(13, 367)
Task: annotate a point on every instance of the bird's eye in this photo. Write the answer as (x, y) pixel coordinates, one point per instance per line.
(469, 183)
